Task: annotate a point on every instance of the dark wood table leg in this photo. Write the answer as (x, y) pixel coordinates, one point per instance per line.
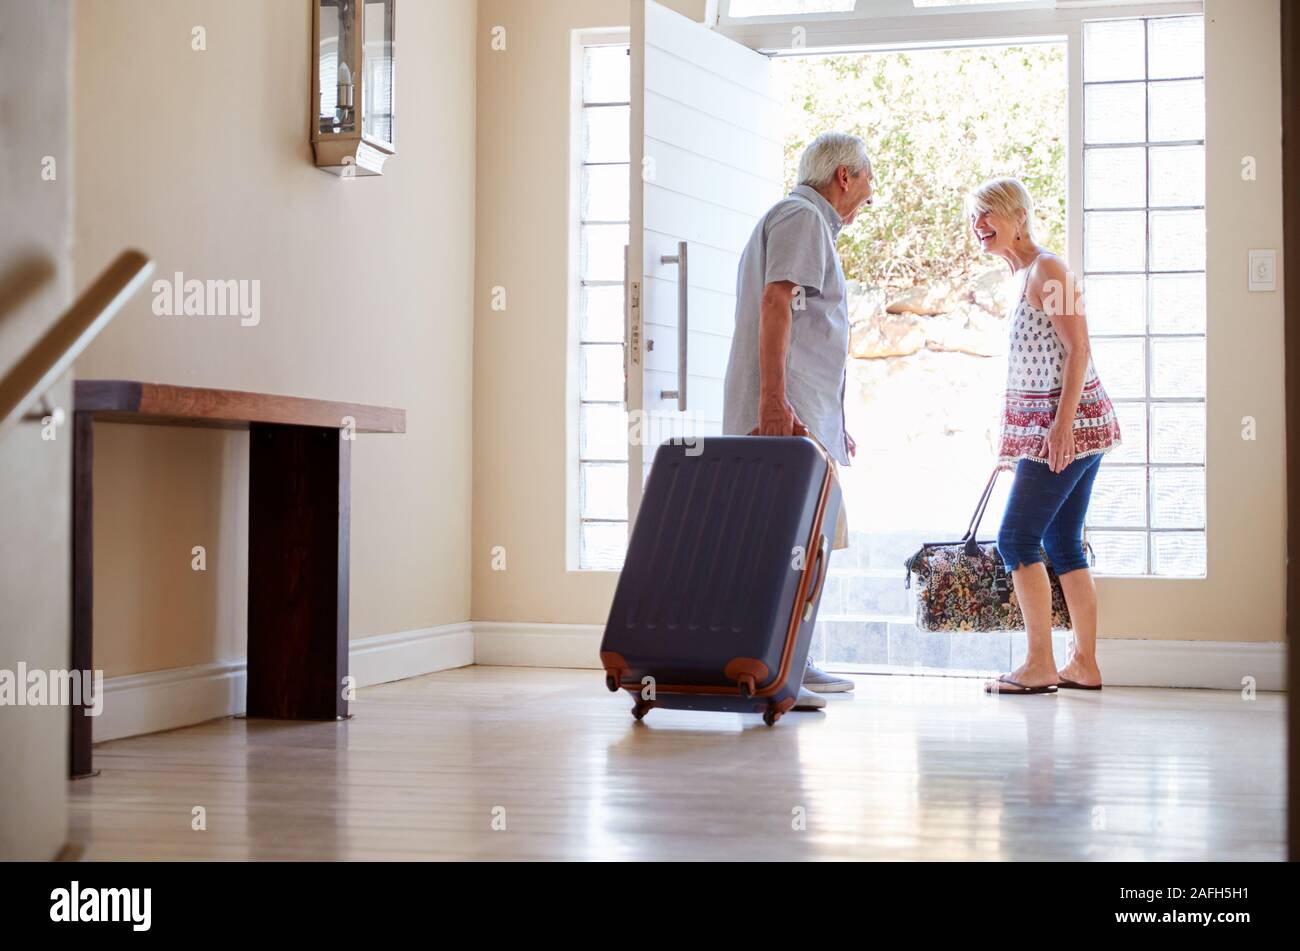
(298, 519)
(80, 762)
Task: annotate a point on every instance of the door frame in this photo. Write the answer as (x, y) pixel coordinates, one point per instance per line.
(1290, 33)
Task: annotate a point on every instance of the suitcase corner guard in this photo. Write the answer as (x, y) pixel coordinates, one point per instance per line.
(748, 674)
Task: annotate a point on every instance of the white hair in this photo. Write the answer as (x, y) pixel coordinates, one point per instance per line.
(824, 156)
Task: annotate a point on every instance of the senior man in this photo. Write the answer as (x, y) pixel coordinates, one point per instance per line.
(786, 372)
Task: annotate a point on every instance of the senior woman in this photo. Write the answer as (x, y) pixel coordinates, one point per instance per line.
(1056, 424)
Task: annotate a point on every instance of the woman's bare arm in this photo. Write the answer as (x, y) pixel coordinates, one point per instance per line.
(1057, 290)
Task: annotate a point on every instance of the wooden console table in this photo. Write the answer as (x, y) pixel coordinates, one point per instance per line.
(298, 520)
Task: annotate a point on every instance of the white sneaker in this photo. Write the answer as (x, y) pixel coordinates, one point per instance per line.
(807, 700)
(818, 681)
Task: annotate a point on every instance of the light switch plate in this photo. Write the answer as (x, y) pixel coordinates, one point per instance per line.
(1263, 270)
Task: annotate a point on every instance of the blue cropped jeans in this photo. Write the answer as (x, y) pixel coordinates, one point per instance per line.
(1046, 510)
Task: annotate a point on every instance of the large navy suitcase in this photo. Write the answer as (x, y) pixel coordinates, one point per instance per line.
(725, 566)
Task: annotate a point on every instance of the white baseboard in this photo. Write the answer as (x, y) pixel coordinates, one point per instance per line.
(166, 699)
(1219, 665)
(510, 644)
(1125, 662)
(389, 657)
(182, 696)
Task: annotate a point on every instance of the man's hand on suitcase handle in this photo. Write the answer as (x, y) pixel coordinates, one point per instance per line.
(778, 419)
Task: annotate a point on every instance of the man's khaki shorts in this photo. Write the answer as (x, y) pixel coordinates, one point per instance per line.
(841, 523)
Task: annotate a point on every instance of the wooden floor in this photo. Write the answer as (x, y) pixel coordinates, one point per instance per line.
(905, 768)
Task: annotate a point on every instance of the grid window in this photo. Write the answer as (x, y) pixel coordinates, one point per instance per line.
(603, 214)
(1144, 267)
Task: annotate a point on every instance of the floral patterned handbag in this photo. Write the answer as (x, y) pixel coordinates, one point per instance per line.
(964, 586)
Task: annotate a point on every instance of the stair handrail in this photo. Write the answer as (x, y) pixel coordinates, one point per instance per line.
(28, 381)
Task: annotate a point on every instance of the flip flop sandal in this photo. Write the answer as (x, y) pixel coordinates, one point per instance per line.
(1071, 685)
(1017, 689)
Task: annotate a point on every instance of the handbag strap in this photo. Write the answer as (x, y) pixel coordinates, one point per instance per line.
(973, 528)
(972, 547)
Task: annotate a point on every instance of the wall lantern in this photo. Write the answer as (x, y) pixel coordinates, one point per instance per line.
(352, 85)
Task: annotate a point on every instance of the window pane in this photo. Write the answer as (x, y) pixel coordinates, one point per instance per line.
(605, 193)
(1119, 553)
(1178, 367)
(1177, 111)
(606, 74)
(1114, 113)
(1178, 554)
(605, 134)
(1177, 498)
(1113, 49)
(1114, 241)
(1178, 175)
(1114, 178)
(604, 490)
(1177, 303)
(1119, 498)
(1177, 240)
(1122, 365)
(1170, 108)
(1116, 304)
(603, 433)
(772, 8)
(602, 314)
(1175, 47)
(602, 373)
(602, 545)
(1178, 432)
(602, 252)
(1133, 428)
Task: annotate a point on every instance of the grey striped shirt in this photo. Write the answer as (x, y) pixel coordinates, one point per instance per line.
(795, 241)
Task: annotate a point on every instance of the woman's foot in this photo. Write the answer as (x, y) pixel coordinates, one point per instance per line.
(1025, 679)
(1080, 673)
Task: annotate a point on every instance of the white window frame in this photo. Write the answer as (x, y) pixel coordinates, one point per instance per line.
(582, 40)
(881, 9)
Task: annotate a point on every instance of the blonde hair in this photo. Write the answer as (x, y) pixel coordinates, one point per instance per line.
(1006, 197)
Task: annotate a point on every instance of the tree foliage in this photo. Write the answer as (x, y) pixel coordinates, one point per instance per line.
(936, 123)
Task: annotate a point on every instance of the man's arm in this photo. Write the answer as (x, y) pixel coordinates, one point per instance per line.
(775, 415)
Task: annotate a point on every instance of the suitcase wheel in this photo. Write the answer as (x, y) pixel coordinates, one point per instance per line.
(776, 711)
(611, 683)
(746, 684)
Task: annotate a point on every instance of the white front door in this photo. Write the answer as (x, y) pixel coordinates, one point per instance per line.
(706, 165)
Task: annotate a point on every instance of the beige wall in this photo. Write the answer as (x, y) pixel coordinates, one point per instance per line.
(521, 407)
(202, 159)
(35, 279)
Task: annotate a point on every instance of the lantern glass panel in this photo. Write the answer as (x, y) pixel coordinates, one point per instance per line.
(377, 115)
(337, 107)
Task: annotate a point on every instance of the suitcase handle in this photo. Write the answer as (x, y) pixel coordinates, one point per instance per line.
(816, 591)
